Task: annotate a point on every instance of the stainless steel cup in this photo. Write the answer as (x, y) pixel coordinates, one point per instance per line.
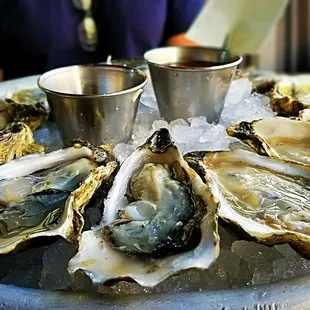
(97, 103)
(184, 93)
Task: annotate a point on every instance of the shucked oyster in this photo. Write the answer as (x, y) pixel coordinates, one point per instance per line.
(278, 137)
(17, 140)
(44, 195)
(159, 219)
(266, 198)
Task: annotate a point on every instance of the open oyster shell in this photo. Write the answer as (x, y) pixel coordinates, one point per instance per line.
(265, 198)
(159, 219)
(45, 194)
(16, 140)
(279, 137)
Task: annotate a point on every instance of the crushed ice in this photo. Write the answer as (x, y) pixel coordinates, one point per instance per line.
(196, 134)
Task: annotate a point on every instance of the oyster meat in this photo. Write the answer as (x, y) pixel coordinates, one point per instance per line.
(45, 194)
(159, 218)
(16, 140)
(265, 198)
(279, 137)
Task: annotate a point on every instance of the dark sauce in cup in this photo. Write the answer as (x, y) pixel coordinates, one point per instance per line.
(194, 64)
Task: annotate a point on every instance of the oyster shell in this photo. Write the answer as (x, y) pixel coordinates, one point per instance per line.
(159, 218)
(289, 95)
(17, 140)
(279, 137)
(32, 114)
(45, 194)
(297, 87)
(267, 199)
(29, 95)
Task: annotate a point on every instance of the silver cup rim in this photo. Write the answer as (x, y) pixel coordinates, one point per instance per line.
(113, 94)
(200, 69)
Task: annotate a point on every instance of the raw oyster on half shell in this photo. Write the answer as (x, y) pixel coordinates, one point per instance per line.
(45, 194)
(159, 218)
(279, 137)
(265, 198)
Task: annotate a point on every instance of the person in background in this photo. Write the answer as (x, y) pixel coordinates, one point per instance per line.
(37, 36)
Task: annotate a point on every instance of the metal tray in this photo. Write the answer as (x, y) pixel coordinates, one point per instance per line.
(293, 293)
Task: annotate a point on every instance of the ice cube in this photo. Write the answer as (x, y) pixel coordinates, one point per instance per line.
(263, 275)
(23, 268)
(254, 107)
(160, 124)
(146, 116)
(254, 252)
(122, 151)
(25, 278)
(179, 121)
(55, 259)
(239, 90)
(49, 136)
(149, 100)
(215, 139)
(199, 122)
(226, 238)
(288, 267)
(186, 134)
(286, 250)
(81, 282)
(148, 97)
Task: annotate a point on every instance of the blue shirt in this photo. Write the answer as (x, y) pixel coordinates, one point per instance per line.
(38, 35)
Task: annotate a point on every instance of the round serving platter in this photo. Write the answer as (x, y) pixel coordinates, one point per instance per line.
(293, 293)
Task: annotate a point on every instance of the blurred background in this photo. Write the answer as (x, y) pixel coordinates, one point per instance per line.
(287, 48)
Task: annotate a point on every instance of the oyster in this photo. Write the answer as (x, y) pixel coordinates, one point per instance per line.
(267, 199)
(159, 218)
(32, 114)
(17, 140)
(283, 105)
(279, 137)
(297, 87)
(29, 95)
(45, 194)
